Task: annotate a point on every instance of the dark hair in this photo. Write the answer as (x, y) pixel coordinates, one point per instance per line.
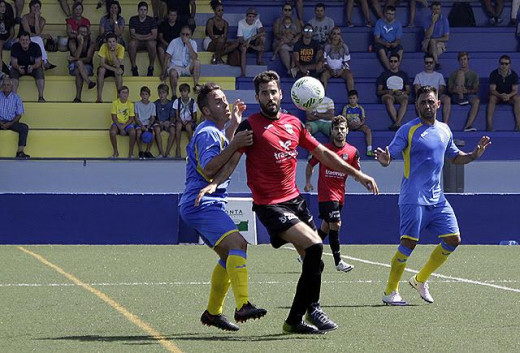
(142, 3)
(394, 55)
(338, 119)
(23, 33)
(353, 92)
(163, 87)
(390, 8)
(35, 2)
(76, 4)
(320, 4)
(207, 88)
(461, 54)
(428, 56)
(184, 87)
(145, 89)
(188, 27)
(214, 4)
(436, 3)
(426, 89)
(8, 15)
(266, 77)
(507, 57)
(287, 3)
(110, 35)
(122, 88)
(118, 8)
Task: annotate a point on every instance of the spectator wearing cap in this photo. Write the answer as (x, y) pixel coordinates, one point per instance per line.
(251, 36)
(11, 110)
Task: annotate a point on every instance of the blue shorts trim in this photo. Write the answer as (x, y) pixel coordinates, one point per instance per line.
(210, 220)
(128, 127)
(439, 219)
(238, 252)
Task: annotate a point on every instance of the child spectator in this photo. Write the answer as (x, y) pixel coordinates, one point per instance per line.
(185, 116)
(122, 114)
(144, 120)
(319, 120)
(111, 55)
(73, 24)
(165, 120)
(356, 119)
(168, 30)
(289, 35)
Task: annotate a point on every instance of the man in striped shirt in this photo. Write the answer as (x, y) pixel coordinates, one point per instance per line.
(11, 110)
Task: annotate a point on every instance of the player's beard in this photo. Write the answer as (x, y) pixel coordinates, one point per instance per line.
(270, 110)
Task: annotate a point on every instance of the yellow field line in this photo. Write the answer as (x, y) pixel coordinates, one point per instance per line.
(168, 345)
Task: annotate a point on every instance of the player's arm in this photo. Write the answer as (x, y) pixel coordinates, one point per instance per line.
(333, 161)
(308, 175)
(212, 168)
(223, 174)
(383, 156)
(465, 158)
(236, 118)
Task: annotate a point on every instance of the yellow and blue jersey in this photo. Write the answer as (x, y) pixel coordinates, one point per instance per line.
(423, 148)
(207, 142)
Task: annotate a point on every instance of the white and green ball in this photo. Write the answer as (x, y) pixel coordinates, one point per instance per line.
(307, 93)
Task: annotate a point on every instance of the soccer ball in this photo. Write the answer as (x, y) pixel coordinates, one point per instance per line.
(307, 93)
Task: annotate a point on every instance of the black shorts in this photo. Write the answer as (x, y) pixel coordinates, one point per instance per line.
(279, 217)
(110, 73)
(330, 211)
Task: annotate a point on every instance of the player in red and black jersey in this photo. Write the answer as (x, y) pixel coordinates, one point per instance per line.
(331, 187)
(271, 171)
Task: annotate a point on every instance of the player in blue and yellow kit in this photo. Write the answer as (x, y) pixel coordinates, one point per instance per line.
(424, 143)
(208, 151)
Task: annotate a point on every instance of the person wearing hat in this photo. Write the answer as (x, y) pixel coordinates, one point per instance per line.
(251, 36)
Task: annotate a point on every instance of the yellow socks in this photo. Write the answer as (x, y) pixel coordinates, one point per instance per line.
(237, 271)
(219, 287)
(437, 258)
(396, 271)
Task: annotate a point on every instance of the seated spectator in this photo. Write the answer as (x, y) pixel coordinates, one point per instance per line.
(143, 36)
(515, 5)
(165, 120)
(185, 109)
(251, 36)
(217, 33)
(349, 6)
(122, 113)
(11, 110)
(463, 85)
(494, 12)
(182, 60)
(436, 34)
(6, 30)
(307, 55)
(73, 24)
(503, 89)
(430, 77)
(186, 10)
(18, 9)
(80, 61)
(356, 119)
(287, 31)
(321, 24)
(393, 88)
(337, 61)
(387, 37)
(112, 22)
(168, 30)
(145, 113)
(26, 59)
(111, 56)
(33, 23)
(319, 119)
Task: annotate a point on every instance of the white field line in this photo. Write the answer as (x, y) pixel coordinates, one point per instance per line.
(456, 279)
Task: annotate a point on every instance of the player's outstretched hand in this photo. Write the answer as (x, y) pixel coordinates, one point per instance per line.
(238, 109)
(383, 156)
(484, 143)
(308, 187)
(210, 189)
(242, 139)
(368, 182)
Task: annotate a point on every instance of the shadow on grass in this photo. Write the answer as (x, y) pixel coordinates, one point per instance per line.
(351, 306)
(146, 339)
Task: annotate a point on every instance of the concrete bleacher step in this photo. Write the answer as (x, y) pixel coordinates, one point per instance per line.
(62, 88)
(73, 144)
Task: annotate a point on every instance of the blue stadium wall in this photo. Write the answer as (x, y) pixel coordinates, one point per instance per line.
(154, 219)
